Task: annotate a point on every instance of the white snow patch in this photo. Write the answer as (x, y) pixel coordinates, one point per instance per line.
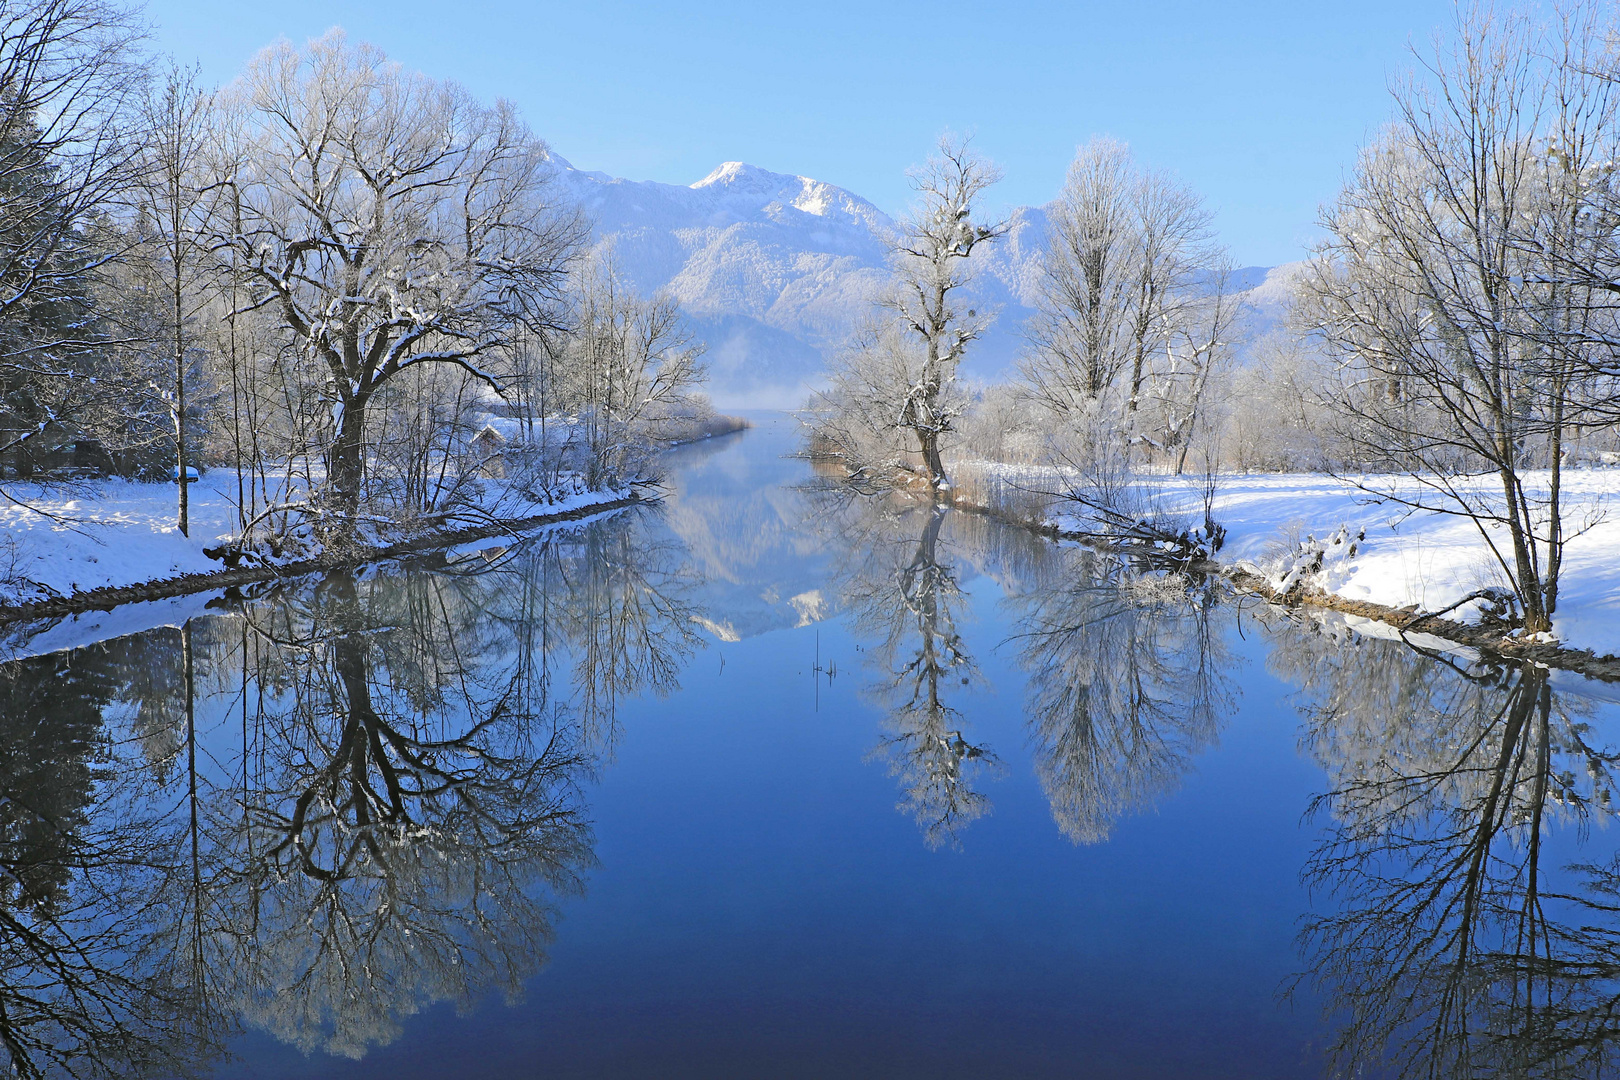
(111, 532)
(1422, 558)
(115, 532)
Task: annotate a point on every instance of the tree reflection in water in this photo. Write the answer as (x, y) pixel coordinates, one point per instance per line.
(905, 599)
(406, 794)
(332, 805)
(89, 870)
(1127, 686)
(1127, 670)
(380, 813)
(1458, 945)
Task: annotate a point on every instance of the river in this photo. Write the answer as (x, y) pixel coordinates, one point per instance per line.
(777, 780)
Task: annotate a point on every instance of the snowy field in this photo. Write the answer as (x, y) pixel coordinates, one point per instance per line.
(108, 532)
(1418, 558)
(1428, 559)
(115, 532)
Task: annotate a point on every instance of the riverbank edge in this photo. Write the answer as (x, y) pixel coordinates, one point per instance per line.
(1580, 661)
(108, 597)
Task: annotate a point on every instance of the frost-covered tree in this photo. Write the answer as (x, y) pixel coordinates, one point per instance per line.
(900, 378)
(1465, 349)
(930, 257)
(1083, 330)
(1129, 254)
(629, 368)
(1177, 400)
(388, 221)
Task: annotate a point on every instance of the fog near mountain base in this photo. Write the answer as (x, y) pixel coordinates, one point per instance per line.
(775, 272)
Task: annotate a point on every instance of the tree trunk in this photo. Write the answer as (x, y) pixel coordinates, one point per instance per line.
(190, 671)
(1555, 510)
(1536, 618)
(183, 477)
(1137, 364)
(348, 463)
(936, 466)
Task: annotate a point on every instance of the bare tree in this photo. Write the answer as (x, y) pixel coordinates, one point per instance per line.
(630, 367)
(1459, 349)
(855, 418)
(388, 220)
(901, 376)
(1571, 246)
(174, 121)
(1200, 345)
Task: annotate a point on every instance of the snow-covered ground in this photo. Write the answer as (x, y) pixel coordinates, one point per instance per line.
(1425, 558)
(115, 532)
(109, 532)
(1428, 559)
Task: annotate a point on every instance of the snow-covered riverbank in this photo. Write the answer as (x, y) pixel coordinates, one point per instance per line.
(113, 533)
(1406, 558)
(1428, 559)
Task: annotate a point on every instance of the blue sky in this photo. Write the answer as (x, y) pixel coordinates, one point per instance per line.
(1260, 106)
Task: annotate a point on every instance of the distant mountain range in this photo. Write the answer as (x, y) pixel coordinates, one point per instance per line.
(775, 271)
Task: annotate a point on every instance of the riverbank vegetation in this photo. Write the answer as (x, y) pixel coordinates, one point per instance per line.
(355, 292)
(1448, 349)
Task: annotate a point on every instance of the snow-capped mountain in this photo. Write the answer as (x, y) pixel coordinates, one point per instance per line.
(776, 271)
(772, 270)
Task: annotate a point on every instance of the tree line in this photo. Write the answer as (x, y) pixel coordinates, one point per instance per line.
(324, 277)
(1450, 343)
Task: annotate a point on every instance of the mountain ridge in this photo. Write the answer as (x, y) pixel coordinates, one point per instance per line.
(776, 271)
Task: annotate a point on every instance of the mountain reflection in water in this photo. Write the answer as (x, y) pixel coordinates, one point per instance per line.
(330, 815)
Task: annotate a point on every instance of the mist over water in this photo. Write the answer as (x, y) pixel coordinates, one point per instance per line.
(773, 779)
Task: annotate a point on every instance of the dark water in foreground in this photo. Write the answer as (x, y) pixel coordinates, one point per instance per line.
(776, 783)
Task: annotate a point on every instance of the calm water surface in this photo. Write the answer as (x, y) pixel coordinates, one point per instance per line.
(773, 781)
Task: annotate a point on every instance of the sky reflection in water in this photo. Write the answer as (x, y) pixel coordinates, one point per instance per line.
(777, 781)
